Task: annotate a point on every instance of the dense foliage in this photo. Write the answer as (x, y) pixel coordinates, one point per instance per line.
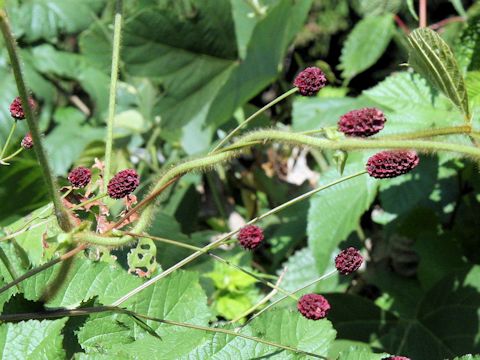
(191, 71)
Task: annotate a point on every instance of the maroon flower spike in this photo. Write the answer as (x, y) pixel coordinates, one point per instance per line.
(250, 236)
(396, 358)
(310, 81)
(348, 261)
(80, 177)
(389, 164)
(123, 184)
(27, 142)
(363, 122)
(16, 109)
(313, 306)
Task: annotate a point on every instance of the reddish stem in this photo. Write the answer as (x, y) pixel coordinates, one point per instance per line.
(444, 22)
(423, 13)
(401, 24)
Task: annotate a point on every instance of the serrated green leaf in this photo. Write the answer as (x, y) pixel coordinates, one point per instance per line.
(280, 326)
(365, 44)
(32, 340)
(432, 58)
(467, 48)
(46, 19)
(70, 283)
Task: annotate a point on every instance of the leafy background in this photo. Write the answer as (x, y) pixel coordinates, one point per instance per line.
(191, 70)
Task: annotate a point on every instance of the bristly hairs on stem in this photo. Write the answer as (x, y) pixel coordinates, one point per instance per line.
(11, 45)
(117, 30)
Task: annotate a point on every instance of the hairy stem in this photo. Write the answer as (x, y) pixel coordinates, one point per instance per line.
(253, 116)
(462, 129)
(11, 45)
(113, 90)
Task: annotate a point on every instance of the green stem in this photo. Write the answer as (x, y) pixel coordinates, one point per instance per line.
(11, 156)
(113, 90)
(89, 201)
(357, 144)
(463, 129)
(9, 137)
(11, 45)
(216, 257)
(253, 116)
(93, 310)
(219, 241)
(323, 277)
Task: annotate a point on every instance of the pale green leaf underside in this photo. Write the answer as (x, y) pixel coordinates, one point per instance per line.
(432, 58)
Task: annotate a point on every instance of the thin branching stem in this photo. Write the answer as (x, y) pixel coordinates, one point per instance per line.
(9, 137)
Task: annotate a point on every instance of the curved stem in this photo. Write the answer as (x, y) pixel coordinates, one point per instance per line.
(113, 90)
(423, 13)
(89, 201)
(11, 156)
(11, 45)
(9, 137)
(253, 116)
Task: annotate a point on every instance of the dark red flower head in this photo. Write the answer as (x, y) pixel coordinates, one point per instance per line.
(348, 261)
(310, 81)
(389, 164)
(250, 236)
(313, 306)
(396, 358)
(27, 142)
(80, 177)
(363, 122)
(16, 109)
(123, 184)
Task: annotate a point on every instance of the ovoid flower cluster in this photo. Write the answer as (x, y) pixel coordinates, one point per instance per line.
(310, 81)
(362, 122)
(80, 177)
(16, 109)
(389, 164)
(27, 141)
(123, 184)
(250, 237)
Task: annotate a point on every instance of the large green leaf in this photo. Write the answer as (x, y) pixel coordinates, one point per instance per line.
(32, 340)
(432, 58)
(410, 104)
(446, 323)
(280, 326)
(68, 140)
(335, 212)
(365, 44)
(377, 7)
(196, 61)
(46, 19)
